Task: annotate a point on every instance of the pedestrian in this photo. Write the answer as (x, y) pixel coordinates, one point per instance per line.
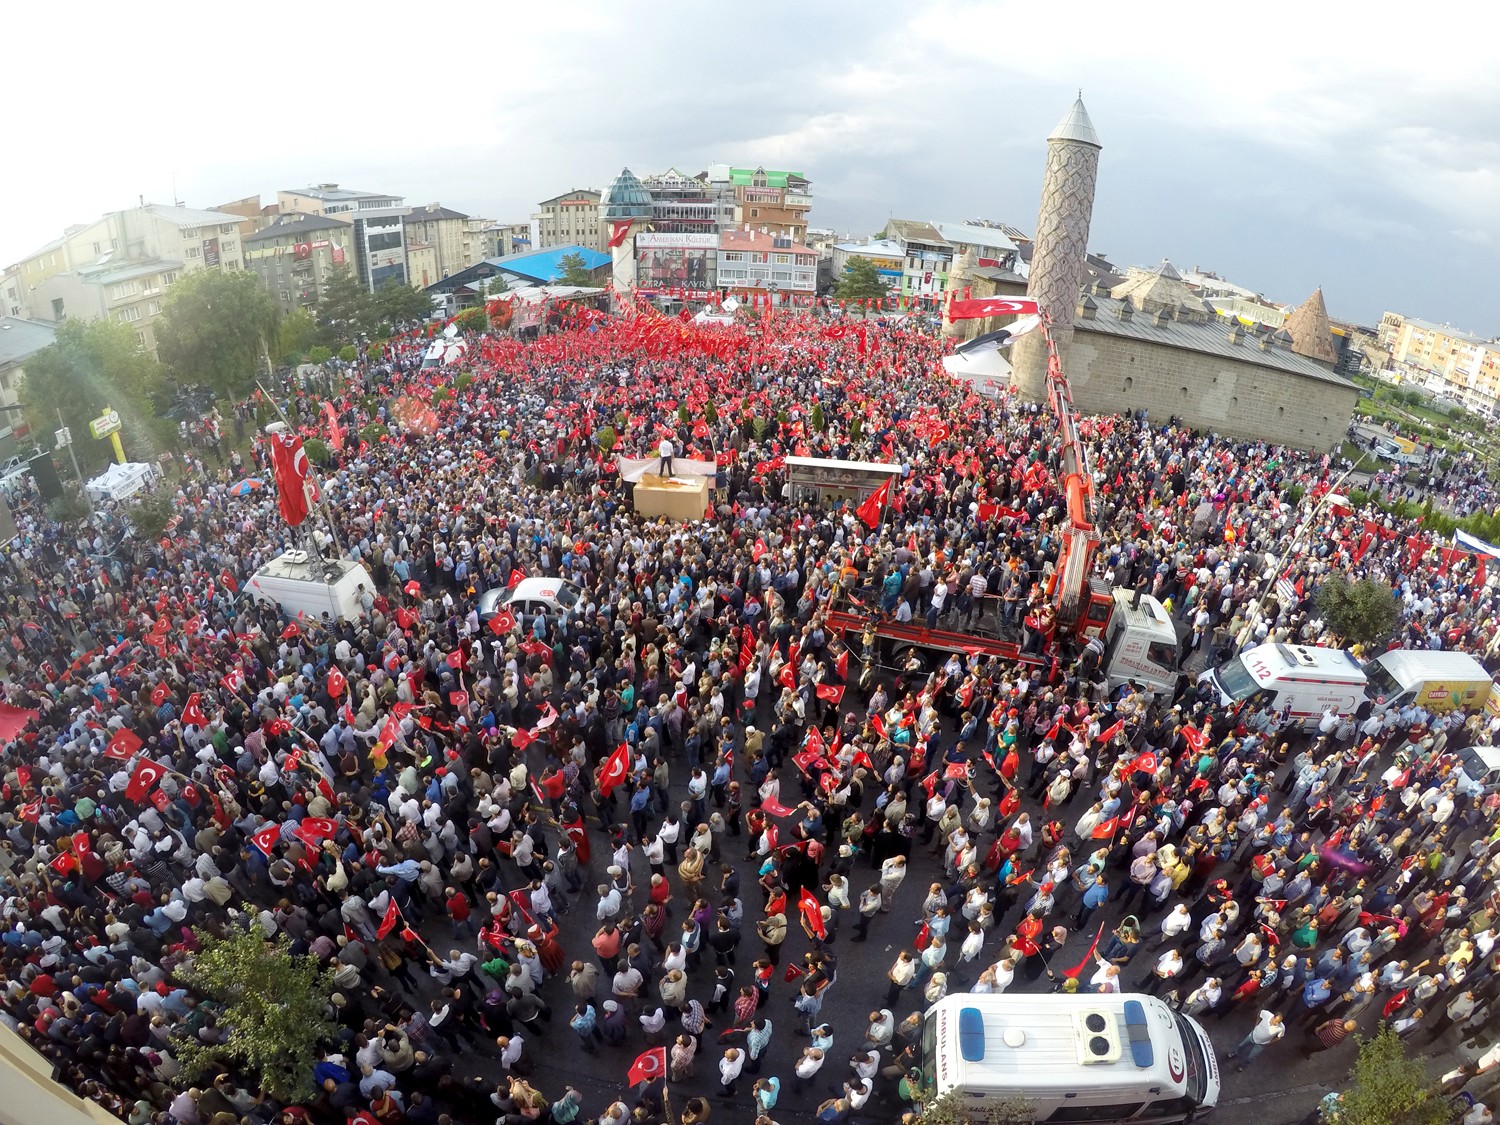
(1269, 1028)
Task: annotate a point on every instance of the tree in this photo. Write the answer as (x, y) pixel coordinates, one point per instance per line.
(816, 420)
(472, 320)
(150, 514)
(861, 281)
(1387, 1088)
(273, 1004)
(294, 335)
(574, 272)
(1363, 613)
(396, 303)
(215, 328)
(348, 353)
(88, 367)
(346, 309)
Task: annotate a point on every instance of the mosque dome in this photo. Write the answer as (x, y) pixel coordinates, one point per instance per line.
(625, 198)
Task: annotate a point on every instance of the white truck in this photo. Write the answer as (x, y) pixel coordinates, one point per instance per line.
(309, 585)
(1101, 1057)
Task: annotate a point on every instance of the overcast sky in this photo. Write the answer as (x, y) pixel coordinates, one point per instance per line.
(1283, 148)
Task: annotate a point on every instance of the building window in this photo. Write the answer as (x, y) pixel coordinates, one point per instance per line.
(168, 278)
(130, 315)
(121, 291)
(194, 252)
(783, 259)
(153, 308)
(755, 212)
(734, 255)
(140, 338)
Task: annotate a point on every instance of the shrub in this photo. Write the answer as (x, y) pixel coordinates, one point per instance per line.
(317, 451)
(319, 355)
(348, 353)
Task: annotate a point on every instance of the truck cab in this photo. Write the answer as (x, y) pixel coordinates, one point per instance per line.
(1140, 642)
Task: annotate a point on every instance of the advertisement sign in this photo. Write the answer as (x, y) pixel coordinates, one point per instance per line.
(210, 251)
(106, 424)
(666, 267)
(677, 241)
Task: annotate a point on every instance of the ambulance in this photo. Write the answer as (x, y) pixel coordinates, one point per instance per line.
(1101, 1057)
(1302, 681)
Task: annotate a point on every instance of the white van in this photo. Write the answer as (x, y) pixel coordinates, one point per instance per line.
(1306, 679)
(312, 586)
(1432, 679)
(1102, 1057)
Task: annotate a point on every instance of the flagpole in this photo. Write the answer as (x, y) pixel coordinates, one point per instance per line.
(322, 505)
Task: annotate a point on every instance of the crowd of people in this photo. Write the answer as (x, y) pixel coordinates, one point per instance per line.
(669, 815)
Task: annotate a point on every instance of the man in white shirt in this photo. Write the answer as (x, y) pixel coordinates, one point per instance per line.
(665, 452)
(1267, 1030)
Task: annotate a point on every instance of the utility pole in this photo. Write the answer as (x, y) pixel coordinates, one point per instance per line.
(87, 499)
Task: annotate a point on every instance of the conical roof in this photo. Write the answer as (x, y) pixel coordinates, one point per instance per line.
(1154, 289)
(1312, 335)
(1076, 126)
(625, 198)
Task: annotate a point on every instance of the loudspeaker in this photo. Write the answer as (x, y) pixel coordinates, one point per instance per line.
(44, 472)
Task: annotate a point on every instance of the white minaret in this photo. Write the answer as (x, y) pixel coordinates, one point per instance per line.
(1062, 238)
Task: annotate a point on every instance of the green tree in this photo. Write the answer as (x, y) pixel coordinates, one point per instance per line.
(816, 419)
(215, 328)
(710, 415)
(319, 354)
(861, 281)
(1387, 1088)
(1364, 612)
(574, 272)
(150, 514)
(88, 367)
(348, 353)
(396, 303)
(472, 320)
(273, 1005)
(295, 333)
(346, 309)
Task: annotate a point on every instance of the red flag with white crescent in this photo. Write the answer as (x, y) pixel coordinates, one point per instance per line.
(833, 693)
(192, 712)
(977, 308)
(614, 770)
(336, 683)
(388, 923)
(812, 910)
(265, 838)
(143, 780)
(649, 1064)
(123, 745)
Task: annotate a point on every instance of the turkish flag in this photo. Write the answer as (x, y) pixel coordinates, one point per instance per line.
(978, 308)
(502, 623)
(160, 800)
(841, 665)
(229, 583)
(615, 767)
(870, 509)
(159, 694)
(192, 795)
(459, 699)
(619, 230)
(516, 578)
(957, 770)
(388, 923)
(1110, 731)
(785, 677)
(315, 828)
(62, 864)
(336, 683)
(1144, 763)
(32, 812)
(521, 739)
(413, 588)
(1195, 738)
(1106, 828)
(812, 910)
(234, 680)
(757, 549)
(390, 731)
(265, 838)
(23, 776)
(862, 759)
(143, 780)
(775, 807)
(653, 1063)
(292, 630)
(192, 712)
(831, 692)
(456, 659)
(878, 724)
(123, 745)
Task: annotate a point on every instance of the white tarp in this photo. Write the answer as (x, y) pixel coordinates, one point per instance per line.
(119, 481)
(633, 468)
(1466, 542)
(707, 317)
(988, 371)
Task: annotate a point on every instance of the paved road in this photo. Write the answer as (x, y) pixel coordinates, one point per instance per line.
(1280, 1087)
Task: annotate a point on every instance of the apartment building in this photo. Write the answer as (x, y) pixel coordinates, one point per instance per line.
(752, 262)
(330, 199)
(570, 219)
(297, 254)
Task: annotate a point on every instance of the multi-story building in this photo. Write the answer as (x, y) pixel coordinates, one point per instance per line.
(570, 219)
(297, 254)
(379, 245)
(252, 215)
(19, 341)
(1390, 327)
(447, 232)
(775, 201)
(501, 239)
(330, 199)
(1448, 362)
(751, 263)
(121, 264)
(886, 255)
(682, 204)
(926, 256)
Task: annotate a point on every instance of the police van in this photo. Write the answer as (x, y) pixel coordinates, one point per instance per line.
(1301, 680)
(1102, 1057)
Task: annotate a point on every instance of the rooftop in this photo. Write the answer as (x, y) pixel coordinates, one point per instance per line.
(434, 212)
(296, 223)
(1445, 330)
(914, 230)
(757, 240)
(22, 339)
(1076, 126)
(111, 272)
(742, 177)
(332, 193)
(1209, 337)
(189, 216)
(969, 235)
(546, 265)
(875, 248)
(625, 198)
